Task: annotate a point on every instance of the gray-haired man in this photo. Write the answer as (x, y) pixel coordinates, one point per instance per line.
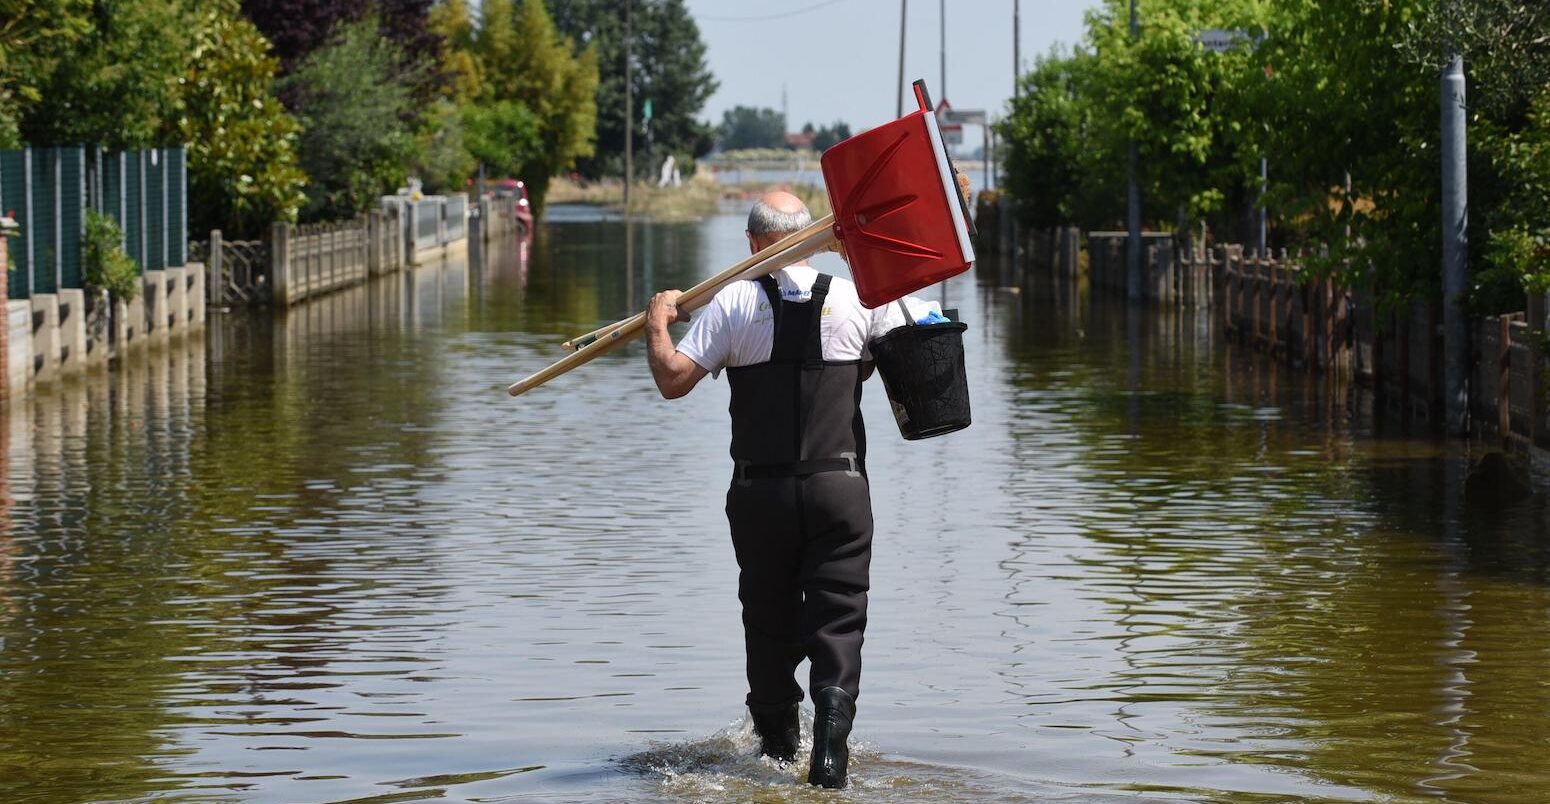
(794, 347)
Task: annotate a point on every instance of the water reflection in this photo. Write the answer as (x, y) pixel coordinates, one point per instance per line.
(323, 557)
(1281, 589)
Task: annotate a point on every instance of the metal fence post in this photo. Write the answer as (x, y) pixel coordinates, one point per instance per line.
(280, 262)
(56, 178)
(216, 283)
(84, 189)
(123, 201)
(182, 203)
(1455, 250)
(166, 225)
(140, 167)
(373, 242)
(24, 273)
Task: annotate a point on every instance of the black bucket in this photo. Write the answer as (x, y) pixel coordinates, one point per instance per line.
(924, 375)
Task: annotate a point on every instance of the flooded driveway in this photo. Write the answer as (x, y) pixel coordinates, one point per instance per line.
(324, 557)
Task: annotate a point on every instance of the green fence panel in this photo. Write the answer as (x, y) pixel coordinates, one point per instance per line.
(155, 211)
(13, 202)
(49, 190)
(134, 234)
(72, 215)
(45, 244)
(180, 206)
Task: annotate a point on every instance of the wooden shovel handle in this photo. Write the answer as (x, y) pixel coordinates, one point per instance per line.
(717, 282)
(799, 246)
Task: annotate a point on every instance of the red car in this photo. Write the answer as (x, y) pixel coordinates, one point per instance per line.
(513, 187)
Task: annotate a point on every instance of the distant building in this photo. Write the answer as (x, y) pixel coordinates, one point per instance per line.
(800, 140)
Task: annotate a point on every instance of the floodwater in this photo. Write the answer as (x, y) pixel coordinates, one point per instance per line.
(324, 557)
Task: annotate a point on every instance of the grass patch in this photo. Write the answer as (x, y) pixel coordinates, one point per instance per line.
(698, 198)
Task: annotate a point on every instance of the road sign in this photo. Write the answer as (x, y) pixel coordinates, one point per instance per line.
(952, 133)
(946, 115)
(1221, 40)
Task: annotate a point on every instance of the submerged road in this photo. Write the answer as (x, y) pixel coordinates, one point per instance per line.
(324, 557)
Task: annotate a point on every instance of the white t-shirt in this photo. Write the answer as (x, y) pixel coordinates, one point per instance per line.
(737, 328)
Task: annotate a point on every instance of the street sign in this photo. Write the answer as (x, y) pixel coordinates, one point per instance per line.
(946, 115)
(952, 133)
(967, 117)
(1221, 40)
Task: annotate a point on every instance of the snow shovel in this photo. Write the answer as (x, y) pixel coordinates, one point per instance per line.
(898, 213)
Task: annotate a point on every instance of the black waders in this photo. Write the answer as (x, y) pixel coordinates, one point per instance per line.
(834, 712)
(801, 518)
(779, 729)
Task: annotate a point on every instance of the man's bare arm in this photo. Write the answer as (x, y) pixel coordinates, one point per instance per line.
(675, 374)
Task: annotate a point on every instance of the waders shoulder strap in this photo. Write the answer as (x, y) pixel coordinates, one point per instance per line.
(772, 293)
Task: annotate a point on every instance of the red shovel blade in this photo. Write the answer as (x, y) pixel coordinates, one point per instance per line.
(897, 209)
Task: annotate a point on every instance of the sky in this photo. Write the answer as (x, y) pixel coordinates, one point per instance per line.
(839, 59)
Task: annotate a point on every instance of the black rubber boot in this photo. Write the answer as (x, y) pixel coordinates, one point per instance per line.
(779, 729)
(835, 711)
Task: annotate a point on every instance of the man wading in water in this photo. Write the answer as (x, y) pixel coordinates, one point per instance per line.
(794, 347)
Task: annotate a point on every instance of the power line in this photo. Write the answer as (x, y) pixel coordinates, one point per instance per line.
(777, 16)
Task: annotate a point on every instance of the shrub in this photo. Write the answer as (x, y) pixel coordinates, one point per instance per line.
(107, 266)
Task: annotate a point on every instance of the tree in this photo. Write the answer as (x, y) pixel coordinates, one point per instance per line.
(117, 84)
(408, 24)
(353, 97)
(1505, 43)
(1518, 246)
(1325, 112)
(503, 135)
(669, 69)
(1506, 49)
(524, 58)
(454, 26)
(1050, 163)
(33, 37)
(829, 136)
(242, 168)
(747, 127)
(298, 27)
(1172, 97)
(442, 160)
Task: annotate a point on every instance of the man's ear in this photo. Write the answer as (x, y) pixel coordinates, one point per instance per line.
(753, 245)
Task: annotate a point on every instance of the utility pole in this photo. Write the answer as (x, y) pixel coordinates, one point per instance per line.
(942, 91)
(1133, 206)
(989, 148)
(1017, 44)
(629, 108)
(903, 15)
(1455, 250)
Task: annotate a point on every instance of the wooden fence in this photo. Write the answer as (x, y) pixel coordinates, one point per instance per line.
(1168, 274)
(1275, 304)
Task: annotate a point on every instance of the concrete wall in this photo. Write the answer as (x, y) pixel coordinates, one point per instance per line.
(310, 260)
(50, 335)
(18, 323)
